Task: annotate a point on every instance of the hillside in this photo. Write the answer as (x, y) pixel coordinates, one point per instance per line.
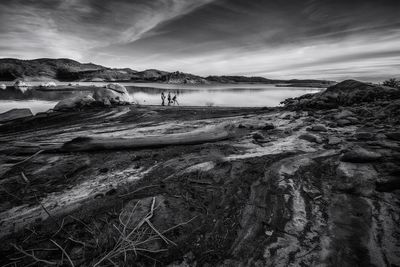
(67, 70)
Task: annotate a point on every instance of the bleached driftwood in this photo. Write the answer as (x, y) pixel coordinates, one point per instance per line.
(199, 136)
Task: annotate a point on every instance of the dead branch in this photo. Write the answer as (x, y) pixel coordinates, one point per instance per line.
(25, 178)
(63, 251)
(32, 256)
(28, 158)
(199, 136)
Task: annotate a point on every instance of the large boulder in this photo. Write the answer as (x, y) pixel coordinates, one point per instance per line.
(16, 113)
(3, 86)
(346, 93)
(75, 102)
(113, 94)
(21, 85)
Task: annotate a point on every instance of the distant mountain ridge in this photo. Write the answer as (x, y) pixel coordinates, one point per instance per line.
(68, 70)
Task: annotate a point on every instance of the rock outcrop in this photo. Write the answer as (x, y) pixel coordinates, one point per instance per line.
(75, 103)
(15, 114)
(112, 95)
(346, 93)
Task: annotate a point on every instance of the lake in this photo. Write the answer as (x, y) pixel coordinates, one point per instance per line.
(233, 95)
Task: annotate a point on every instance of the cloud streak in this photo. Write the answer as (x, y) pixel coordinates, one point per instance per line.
(277, 39)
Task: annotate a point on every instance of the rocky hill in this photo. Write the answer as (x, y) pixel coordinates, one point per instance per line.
(58, 69)
(66, 70)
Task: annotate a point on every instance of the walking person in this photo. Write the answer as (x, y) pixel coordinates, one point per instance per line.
(174, 100)
(162, 99)
(169, 98)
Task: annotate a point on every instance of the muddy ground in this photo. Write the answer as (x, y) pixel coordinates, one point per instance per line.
(290, 188)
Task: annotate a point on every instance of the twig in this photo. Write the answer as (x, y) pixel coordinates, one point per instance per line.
(176, 226)
(63, 251)
(166, 240)
(33, 256)
(137, 190)
(51, 217)
(28, 158)
(11, 194)
(25, 178)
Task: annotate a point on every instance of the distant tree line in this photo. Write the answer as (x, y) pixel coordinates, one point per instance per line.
(393, 82)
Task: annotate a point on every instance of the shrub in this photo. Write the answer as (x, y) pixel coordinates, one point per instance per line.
(392, 83)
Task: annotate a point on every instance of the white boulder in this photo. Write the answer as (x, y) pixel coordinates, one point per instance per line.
(21, 85)
(114, 93)
(3, 86)
(48, 84)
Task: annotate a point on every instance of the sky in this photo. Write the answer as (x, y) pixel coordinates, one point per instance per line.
(277, 39)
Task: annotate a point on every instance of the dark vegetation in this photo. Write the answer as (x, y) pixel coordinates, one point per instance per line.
(392, 83)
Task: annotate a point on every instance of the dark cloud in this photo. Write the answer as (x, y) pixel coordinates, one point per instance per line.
(278, 38)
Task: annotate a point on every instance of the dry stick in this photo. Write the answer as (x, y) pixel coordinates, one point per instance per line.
(28, 158)
(11, 194)
(51, 217)
(63, 251)
(184, 223)
(137, 190)
(25, 178)
(33, 256)
(166, 240)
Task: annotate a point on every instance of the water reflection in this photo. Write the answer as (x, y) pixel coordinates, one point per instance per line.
(222, 95)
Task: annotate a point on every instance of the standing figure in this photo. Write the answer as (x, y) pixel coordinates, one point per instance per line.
(169, 98)
(162, 99)
(174, 100)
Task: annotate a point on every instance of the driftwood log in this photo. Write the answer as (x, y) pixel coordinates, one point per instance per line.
(199, 136)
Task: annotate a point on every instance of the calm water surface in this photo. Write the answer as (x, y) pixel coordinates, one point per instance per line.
(236, 95)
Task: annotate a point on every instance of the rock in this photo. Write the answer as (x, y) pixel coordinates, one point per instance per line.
(389, 184)
(360, 155)
(20, 85)
(333, 140)
(258, 136)
(3, 86)
(310, 138)
(365, 136)
(268, 126)
(318, 128)
(343, 122)
(393, 136)
(14, 114)
(343, 114)
(357, 178)
(48, 84)
(74, 102)
(113, 94)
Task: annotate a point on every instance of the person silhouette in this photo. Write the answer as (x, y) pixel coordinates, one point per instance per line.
(174, 100)
(169, 98)
(162, 99)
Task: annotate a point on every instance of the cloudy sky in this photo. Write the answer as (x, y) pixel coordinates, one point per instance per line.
(331, 39)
